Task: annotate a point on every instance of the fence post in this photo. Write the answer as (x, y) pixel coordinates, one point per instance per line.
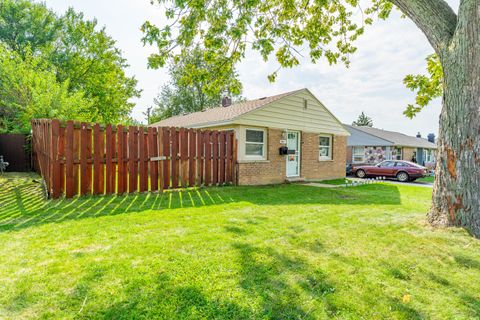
(234, 160)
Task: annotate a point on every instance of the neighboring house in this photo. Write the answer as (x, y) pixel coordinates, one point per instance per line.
(298, 120)
(372, 145)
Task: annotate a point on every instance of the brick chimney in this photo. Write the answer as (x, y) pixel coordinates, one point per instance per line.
(431, 137)
(226, 101)
(419, 135)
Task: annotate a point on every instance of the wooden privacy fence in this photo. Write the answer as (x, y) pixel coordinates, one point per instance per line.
(80, 158)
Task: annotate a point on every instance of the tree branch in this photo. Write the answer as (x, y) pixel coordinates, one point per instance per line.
(434, 17)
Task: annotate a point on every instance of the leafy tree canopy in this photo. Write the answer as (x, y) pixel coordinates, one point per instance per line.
(79, 54)
(427, 87)
(285, 29)
(190, 88)
(29, 91)
(363, 121)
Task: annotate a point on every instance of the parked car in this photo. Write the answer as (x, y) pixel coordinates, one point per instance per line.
(401, 170)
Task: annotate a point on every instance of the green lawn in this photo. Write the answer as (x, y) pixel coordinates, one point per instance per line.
(274, 252)
(336, 182)
(427, 179)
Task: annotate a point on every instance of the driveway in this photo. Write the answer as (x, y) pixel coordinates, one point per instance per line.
(413, 183)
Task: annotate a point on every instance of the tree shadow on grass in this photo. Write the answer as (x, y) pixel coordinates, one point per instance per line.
(22, 204)
(262, 276)
(161, 298)
(267, 274)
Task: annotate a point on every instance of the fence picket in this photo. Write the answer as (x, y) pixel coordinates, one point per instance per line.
(61, 157)
(69, 188)
(166, 153)
(223, 135)
(120, 160)
(215, 157)
(200, 155)
(108, 159)
(208, 158)
(76, 157)
(132, 159)
(183, 134)
(174, 156)
(97, 168)
(142, 141)
(191, 157)
(56, 173)
(229, 175)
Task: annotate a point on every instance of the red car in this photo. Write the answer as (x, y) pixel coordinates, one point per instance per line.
(402, 170)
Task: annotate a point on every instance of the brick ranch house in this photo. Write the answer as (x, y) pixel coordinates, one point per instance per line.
(297, 121)
(367, 145)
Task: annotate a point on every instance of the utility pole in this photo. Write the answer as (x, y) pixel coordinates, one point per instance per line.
(148, 114)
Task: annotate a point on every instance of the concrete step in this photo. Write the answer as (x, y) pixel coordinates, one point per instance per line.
(295, 180)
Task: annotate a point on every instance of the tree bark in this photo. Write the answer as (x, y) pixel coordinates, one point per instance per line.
(456, 193)
(435, 18)
(456, 40)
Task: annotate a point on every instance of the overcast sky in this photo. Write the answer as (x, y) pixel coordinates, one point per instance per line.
(386, 53)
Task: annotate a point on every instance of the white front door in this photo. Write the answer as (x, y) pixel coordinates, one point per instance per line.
(293, 160)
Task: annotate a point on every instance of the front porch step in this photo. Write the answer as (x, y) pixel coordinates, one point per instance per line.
(295, 180)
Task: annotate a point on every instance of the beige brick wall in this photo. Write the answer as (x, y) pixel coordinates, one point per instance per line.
(407, 153)
(312, 168)
(265, 172)
(273, 170)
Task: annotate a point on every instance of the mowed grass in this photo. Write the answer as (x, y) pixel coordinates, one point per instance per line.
(430, 179)
(336, 182)
(273, 252)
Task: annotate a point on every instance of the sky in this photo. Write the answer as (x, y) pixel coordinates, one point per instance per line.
(387, 52)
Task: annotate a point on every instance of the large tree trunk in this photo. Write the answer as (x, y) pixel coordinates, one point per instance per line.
(456, 193)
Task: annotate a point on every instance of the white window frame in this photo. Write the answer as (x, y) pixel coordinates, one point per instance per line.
(356, 155)
(264, 143)
(398, 156)
(428, 156)
(330, 139)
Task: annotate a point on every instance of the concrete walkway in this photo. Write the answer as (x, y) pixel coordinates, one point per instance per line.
(322, 185)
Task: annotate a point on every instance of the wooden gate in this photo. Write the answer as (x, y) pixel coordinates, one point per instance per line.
(80, 158)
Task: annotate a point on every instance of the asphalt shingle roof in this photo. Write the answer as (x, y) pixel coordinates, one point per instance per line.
(397, 138)
(219, 114)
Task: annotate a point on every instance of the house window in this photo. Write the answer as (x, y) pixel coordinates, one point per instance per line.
(398, 153)
(358, 155)
(428, 156)
(255, 143)
(325, 148)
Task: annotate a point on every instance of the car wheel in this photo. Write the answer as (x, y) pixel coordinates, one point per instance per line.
(361, 173)
(402, 176)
